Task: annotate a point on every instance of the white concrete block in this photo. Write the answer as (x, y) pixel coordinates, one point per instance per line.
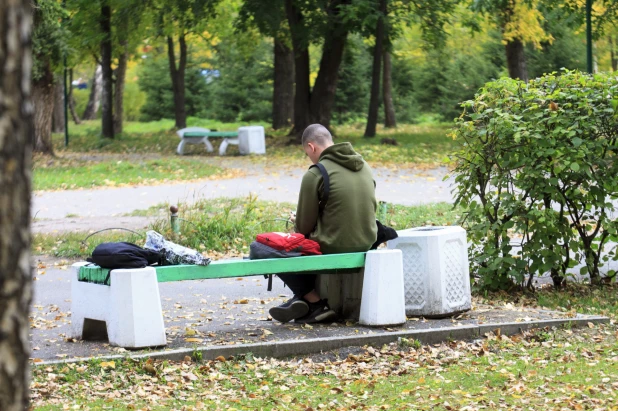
(130, 307)
(436, 271)
(383, 302)
(251, 140)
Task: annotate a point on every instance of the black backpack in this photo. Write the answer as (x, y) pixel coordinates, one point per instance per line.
(123, 255)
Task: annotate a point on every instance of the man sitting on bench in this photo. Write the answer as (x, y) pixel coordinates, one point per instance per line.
(341, 220)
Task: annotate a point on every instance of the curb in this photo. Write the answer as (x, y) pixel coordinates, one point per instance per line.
(291, 348)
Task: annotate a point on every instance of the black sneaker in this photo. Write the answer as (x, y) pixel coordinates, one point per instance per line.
(319, 312)
(293, 308)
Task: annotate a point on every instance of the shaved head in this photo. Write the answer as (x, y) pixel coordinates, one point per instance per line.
(318, 135)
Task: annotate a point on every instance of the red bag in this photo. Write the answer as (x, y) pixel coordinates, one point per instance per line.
(289, 242)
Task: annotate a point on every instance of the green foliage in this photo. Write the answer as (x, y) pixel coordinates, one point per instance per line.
(49, 42)
(134, 99)
(352, 98)
(155, 81)
(536, 167)
(243, 91)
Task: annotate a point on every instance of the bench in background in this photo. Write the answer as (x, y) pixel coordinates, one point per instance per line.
(250, 139)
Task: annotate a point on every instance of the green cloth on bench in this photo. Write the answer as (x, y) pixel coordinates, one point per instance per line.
(315, 264)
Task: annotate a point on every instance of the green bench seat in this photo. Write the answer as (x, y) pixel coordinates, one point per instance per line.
(330, 263)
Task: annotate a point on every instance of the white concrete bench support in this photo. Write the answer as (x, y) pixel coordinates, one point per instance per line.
(383, 300)
(130, 308)
(374, 296)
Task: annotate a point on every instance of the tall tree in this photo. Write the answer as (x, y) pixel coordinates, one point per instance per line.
(58, 113)
(48, 49)
(107, 96)
(179, 19)
(520, 22)
(15, 185)
(272, 22)
(387, 91)
(283, 84)
(378, 50)
(329, 22)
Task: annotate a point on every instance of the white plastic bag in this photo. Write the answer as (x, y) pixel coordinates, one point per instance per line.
(174, 254)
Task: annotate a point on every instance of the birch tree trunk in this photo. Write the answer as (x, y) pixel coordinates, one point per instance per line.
(15, 171)
(121, 74)
(94, 100)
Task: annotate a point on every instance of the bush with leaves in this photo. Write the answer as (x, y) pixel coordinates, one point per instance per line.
(536, 169)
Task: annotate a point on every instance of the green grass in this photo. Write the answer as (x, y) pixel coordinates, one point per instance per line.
(541, 369)
(420, 146)
(227, 226)
(72, 174)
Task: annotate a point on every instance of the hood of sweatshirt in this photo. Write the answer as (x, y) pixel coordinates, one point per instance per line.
(344, 155)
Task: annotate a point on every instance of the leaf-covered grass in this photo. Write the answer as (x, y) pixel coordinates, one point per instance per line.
(65, 173)
(542, 369)
(227, 226)
(421, 146)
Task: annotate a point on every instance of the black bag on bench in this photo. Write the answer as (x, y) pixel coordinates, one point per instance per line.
(123, 255)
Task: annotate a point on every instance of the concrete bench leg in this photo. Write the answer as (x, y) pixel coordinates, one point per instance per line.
(180, 150)
(89, 307)
(130, 308)
(208, 145)
(383, 300)
(225, 143)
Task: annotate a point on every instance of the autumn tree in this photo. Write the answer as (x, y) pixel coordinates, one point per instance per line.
(175, 20)
(15, 186)
(520, 22)
(48, 48)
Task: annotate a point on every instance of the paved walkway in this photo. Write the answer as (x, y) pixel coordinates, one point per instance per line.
(84, 209)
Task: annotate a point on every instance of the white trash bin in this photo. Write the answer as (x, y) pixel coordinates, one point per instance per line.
(251, 140)
(435, 270)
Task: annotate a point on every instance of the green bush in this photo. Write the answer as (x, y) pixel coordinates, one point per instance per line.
(536, 170)
(133, 100)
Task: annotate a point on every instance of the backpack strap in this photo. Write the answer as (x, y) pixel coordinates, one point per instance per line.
(326, 191)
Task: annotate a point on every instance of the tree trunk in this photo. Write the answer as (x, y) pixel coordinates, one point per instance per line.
(107, 96)
(95, 95)
(302, 90)
(283, 90)
(121, 72)
(178, 79)
(374, 99)
(323, 94)
(516, 60)
(387, 93)
(43, 94)
(72, 100)
(58, 116)
(612, 51)
(15, 184)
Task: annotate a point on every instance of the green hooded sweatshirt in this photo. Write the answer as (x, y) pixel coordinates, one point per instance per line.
(348, 223)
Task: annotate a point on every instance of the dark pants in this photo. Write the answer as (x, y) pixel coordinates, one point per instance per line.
(300, 284)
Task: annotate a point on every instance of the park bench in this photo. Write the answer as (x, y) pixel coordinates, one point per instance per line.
(126, 302)
(250, 140)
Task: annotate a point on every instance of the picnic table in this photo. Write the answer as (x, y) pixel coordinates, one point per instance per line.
(249, 139)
